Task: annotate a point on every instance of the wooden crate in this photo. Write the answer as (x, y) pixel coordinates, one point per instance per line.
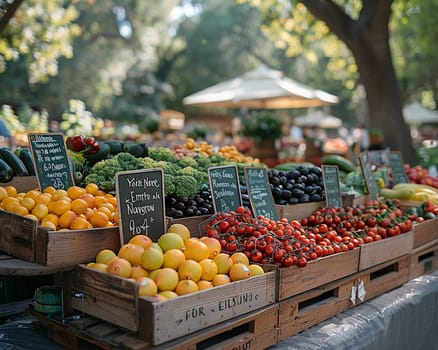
(383, 277)
(310, 308)
(423, 260)
(22, 238)
(425, 232)
(298, 211)
(116, 300)
(378, 252)
(295, 280)
(255, 330)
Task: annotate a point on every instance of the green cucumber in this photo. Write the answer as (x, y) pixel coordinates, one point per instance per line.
(17, 166)
(25, 156)
(343, 163)
(6, 173)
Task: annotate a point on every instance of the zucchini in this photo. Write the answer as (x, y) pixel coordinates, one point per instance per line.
(116, 147)
(25, 156)
(343, 163)
(17, 166)
(102, 154)
(6, 173)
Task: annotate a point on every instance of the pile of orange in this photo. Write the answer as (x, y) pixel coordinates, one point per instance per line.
(76, 208)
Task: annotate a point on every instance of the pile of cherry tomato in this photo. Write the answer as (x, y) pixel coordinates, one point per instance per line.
(326, 231)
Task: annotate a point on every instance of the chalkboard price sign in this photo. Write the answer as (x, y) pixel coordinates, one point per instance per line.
(332, 186)
(367, 171)
(140, 201)
(397, 169)
(50, 160)
(260, 194)
(224, 187)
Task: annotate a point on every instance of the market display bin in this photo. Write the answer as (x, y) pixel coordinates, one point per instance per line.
(298, 211)
(382, 278)
(295, 280)
(22, 238)
(255, 330)
(307, 309)
(378, 252)
(116, 300)
(423, 260)
(425, 232)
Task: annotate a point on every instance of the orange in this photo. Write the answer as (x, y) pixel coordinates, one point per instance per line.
(40, 210)
(50, 190)
(11, 190)
(75, 191)
(28, 203)
(43, 198)
(141, 240)
(79, 224)
(99, 219)
(99, 200)
(60, 206)
(48, 224)
(79, 206)
(87, 213)
(53, 218)
(106, 211)
(66, 219)
(58, 194)
(20, 210)
(116, 218)
(120, 267)
(131, 252)
(3, 193)
(32, 194)
(31, 216)
(8, 200)
(107, 205)
(113, 201)
(89, 198)
(92, 188)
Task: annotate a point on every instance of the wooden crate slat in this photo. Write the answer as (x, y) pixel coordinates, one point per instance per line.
(423, 260)
(294, 280)
(312, 307)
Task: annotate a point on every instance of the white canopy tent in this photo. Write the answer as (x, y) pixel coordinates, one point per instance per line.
(261, 88)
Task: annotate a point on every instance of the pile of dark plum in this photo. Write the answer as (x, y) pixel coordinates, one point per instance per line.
(300, 185)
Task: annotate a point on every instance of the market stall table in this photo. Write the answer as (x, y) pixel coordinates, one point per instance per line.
(404, 318)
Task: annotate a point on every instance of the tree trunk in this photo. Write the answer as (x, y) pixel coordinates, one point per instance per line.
(368, 39)
(383, 97)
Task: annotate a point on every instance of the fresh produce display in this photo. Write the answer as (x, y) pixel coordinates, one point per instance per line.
(418, 174)
(300, 185)
(18, 163)
(326, 231)
(76, 208)
(176, 264)
(411, 192)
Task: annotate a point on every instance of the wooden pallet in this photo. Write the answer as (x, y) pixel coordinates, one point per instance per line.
(383, 277)
(423, 260)
(257, 330)
(312, 307)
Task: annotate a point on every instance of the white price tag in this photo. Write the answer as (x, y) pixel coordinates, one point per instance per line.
(353, 295)
(361, 291)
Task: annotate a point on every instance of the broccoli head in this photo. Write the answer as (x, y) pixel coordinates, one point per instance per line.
(186, 161)
(204, 162)
(169, 184)
(185, 186)
(162, 153)
(147, 162)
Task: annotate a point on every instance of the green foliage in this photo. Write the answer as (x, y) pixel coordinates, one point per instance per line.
(161, 153)
(43, 32)
(187, 161)
(77, 120)
(262, 125)
(185, 186)
(199, 132)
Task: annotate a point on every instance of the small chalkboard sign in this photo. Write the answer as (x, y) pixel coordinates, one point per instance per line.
(140, 201)
(397, 169)
(367, 171)
(224, 187)
(332, 187)
(50, 160)
(260, 195)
